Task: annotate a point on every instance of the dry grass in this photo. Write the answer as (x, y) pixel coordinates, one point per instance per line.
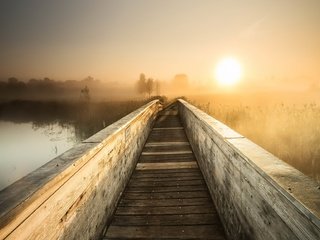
(288, 129)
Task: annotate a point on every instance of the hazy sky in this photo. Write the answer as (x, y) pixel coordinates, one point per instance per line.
(275, 40)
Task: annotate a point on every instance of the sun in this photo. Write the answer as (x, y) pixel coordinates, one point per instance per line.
(228, 71)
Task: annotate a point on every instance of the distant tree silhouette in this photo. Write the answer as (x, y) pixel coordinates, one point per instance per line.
(149, 86)
(13, 81)
(141, 84)
(88, 79)
(15, 85)
(145, 86)
(85, 94)
(47, 89)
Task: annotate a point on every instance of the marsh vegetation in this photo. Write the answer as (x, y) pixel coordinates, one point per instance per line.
(287, 126)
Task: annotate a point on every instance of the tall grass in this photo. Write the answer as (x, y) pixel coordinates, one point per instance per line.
(291, 131)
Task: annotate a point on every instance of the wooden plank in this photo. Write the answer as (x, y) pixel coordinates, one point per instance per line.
(161, 171)
(154, 210)
(167, 128)
(168, 121)
(159, 189)
(177, 179)
(166, 183)
(157, 232)
(168, 132)
(167, 158)
(154, 158)
(165, 202)
(167, 220)
(166, 152)
(166, 136)
(166, 195)
(174, 123)
(168, 148)
(156, 144)
(165, 175)
(168, 165)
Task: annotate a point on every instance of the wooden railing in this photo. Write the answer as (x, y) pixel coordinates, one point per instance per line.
(74, 195)
(257, 195)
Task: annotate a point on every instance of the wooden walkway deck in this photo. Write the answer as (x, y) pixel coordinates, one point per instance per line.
(166, 197)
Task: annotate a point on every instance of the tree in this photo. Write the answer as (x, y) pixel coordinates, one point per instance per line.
(149, 86)
(141, 84)
(13, 81)
(15, 85)
(88, 79)
(85, 94)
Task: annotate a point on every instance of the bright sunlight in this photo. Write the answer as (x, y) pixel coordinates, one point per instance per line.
(228, 71)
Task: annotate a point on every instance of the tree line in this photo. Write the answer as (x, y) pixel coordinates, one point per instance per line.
(146, 86)
(45, 88)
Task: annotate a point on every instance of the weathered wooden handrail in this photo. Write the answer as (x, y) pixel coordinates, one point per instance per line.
(74, 195)
(257, 195)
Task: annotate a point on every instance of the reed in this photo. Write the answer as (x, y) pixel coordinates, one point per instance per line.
(291, 131)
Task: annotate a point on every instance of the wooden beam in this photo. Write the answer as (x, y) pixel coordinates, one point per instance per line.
(171, 165)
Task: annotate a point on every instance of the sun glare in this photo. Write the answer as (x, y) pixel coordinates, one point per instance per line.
(228, 71)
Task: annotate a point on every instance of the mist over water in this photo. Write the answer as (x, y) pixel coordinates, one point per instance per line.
(24, 147)
(34, 132)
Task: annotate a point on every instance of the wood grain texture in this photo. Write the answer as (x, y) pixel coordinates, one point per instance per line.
(166, 197)
(182, 157)
(166, 165)
(74, 195)
(167, 220)
(169, 232)
(250, 186)
(166, 202)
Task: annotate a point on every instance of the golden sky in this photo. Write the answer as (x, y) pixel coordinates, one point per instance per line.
(276, 41)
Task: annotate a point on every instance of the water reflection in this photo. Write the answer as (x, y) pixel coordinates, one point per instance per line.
(25, 147)
(33, 133)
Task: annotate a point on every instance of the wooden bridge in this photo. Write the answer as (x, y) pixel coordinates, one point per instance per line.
(173, 173)
(166, 195)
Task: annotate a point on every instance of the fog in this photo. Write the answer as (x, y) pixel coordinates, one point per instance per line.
(276, 42)
(102, 52)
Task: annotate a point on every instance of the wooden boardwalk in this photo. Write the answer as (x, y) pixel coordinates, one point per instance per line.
(166, 197)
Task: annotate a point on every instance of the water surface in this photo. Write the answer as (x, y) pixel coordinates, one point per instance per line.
(34, 132)
(24, 147)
